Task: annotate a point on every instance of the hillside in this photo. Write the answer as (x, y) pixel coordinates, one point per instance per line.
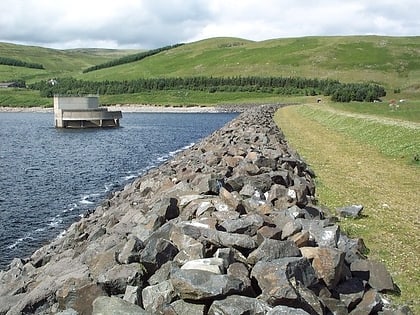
(390, 61)
(56, 62)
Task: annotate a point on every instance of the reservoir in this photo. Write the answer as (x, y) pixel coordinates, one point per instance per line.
(51, 177)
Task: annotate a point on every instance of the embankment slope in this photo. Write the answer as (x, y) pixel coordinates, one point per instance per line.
(226, 226)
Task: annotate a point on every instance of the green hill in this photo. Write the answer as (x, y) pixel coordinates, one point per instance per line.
(57, 63)
(390, 61)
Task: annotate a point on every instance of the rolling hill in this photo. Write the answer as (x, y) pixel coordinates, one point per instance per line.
(390, 61)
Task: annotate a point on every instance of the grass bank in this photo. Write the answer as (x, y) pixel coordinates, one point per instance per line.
(356, 162)
(28, 98)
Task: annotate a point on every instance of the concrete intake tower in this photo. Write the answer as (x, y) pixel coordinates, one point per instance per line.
(83, 112)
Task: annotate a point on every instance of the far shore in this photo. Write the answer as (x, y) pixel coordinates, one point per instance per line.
(126, 108)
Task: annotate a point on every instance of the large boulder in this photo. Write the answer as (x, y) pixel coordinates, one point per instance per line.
(156, 297)
(271, 249)
(278, 278)
(113, 305)
(116, 280)
(238, 305)
(203, 285)
(375, 273)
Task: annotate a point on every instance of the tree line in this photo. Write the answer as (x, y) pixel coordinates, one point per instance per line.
(341, 92)
(130, 58)
(19, 63)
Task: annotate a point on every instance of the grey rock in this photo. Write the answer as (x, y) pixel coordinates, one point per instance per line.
(273, 249)
(247, 191)
(268, 232)
(350, 292)
(327, 236)
(309, 301)
(354, 248)
(155, 297)
(182, 307)
(375, 273)
(163, 273)
(329, 265)
(246, 224)
(105, 305)
(353, 211)
(12, 282)
(290, 228)
(240, 271)
(286, 310)
(131, 250)
(231, 199)
(8, 301)
(78, 294)
(335, 306)
(68, 311)
(261, 182)
(238, 305)
(167, 208)
(371, 303)
(278, 278)
(213, 265)
(301, 238)
(132, 294)
(203, 285)
(227, 255)
(281, 177)
(116, 280)
(157, 252)
(219, 238)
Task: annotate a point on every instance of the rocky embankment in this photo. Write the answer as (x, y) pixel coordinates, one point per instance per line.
(228, 226)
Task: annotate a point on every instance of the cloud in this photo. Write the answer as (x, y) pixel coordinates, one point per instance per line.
(156, 23)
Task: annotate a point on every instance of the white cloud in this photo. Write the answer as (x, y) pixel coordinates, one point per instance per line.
(155, 23)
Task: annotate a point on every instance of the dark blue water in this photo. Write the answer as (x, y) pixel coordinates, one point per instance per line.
(50, 177)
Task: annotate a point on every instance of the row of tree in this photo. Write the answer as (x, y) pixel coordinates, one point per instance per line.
(19, 63)
(340, 92)
(130, 58)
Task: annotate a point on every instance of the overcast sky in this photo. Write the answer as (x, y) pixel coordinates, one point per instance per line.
(155, 23)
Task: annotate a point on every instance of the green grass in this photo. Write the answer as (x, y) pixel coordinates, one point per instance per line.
(356, 162)
(26, 98)
(408, 110)
(23, 98)
(393, 141)
(200, 98)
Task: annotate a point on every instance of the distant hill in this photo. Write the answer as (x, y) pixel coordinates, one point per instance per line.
(56, 62)
(391, 61)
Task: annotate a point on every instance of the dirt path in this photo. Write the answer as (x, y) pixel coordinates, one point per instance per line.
(349, 172)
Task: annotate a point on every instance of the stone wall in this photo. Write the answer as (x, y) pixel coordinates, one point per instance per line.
(228, 226)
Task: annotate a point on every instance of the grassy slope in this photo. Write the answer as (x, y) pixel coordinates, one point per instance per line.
(392, 61)
(56, 62)
(357, 162)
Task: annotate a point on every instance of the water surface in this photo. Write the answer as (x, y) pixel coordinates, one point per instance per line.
(50, 177)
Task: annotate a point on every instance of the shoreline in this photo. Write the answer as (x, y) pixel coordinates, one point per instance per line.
(127, 108)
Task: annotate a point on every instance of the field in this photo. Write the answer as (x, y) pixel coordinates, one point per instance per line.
(371, 160)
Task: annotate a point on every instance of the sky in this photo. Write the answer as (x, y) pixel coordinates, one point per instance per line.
(148, 24)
